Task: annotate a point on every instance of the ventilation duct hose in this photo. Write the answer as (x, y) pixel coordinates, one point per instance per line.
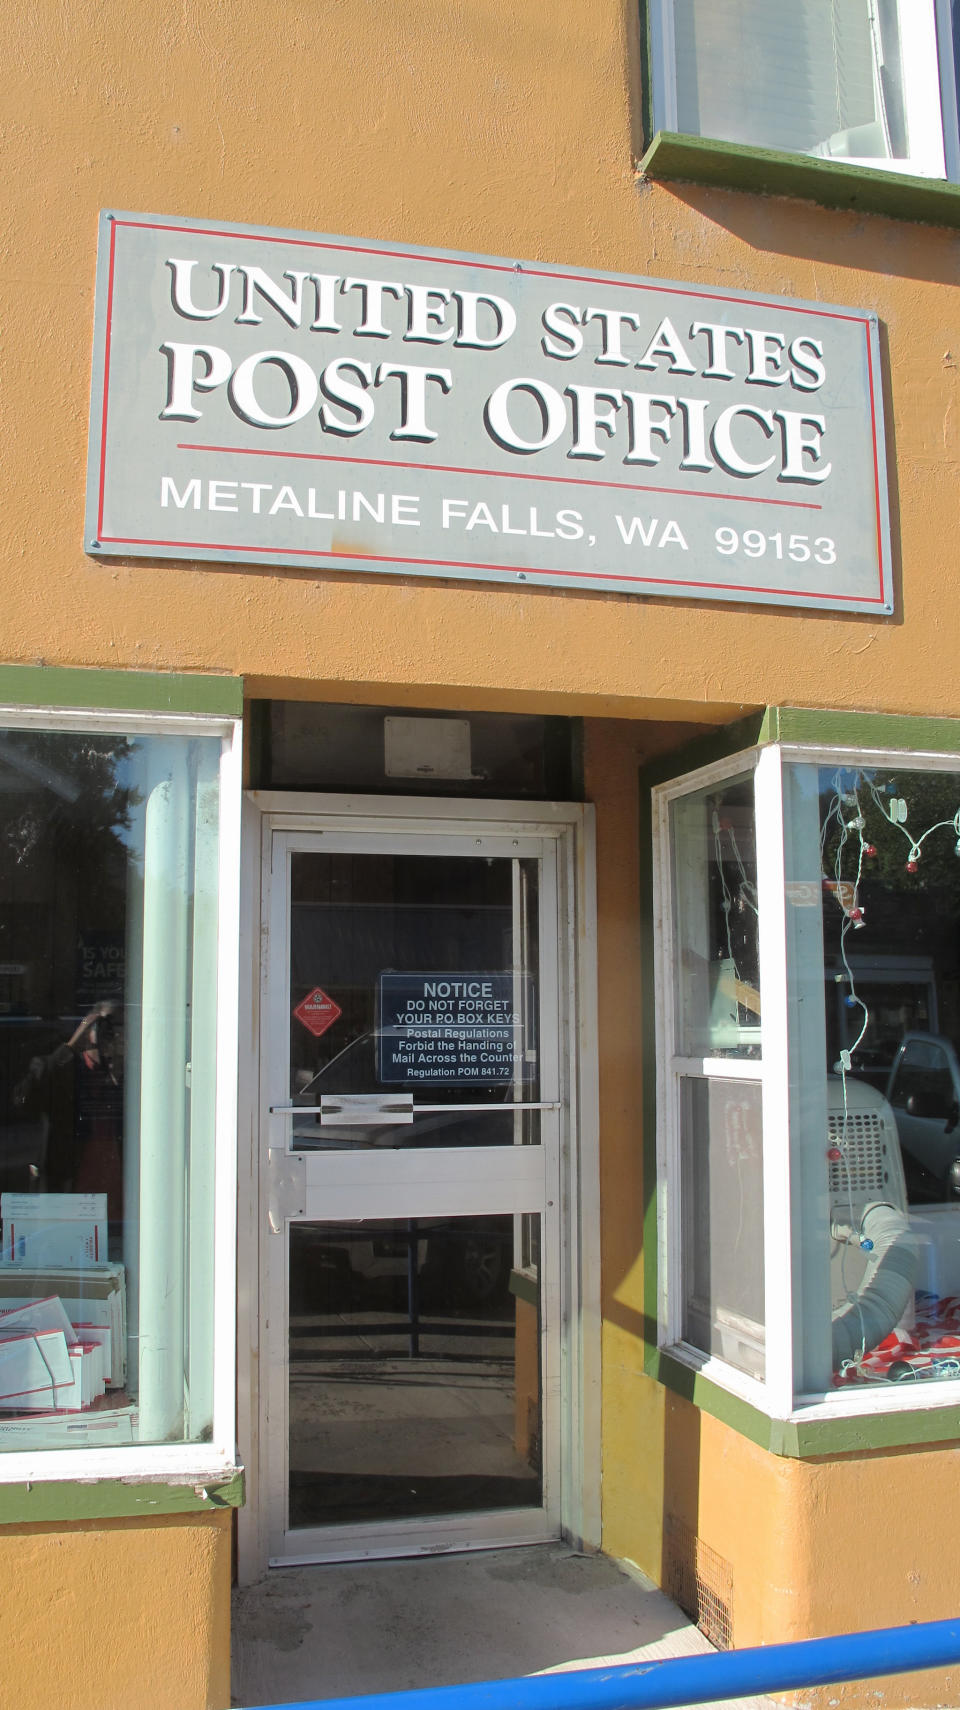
(888, 1282)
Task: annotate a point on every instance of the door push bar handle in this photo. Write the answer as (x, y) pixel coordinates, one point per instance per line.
(370, 1110)
(355, 1109)
(492, 1109)
(364, 1109)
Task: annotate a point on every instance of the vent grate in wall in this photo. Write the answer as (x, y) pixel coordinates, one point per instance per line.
(700, 1581)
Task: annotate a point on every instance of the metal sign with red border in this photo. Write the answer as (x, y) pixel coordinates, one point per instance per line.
(288, 398)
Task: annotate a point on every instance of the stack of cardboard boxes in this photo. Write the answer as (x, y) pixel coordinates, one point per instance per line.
(63, 1334)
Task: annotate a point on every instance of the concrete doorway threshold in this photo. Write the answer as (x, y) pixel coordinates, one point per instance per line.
(350, 1628)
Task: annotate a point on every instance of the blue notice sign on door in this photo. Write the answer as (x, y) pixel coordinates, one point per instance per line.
(456, 1029)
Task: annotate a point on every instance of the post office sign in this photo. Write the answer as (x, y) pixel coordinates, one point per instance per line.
(283, 398)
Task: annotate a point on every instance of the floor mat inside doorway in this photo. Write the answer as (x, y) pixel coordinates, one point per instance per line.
(339, 1499)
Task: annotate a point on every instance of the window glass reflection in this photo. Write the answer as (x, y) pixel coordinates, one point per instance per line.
(108, 1006)
(721, 1138)
(414, 977)
(715, 885)
(414, 1369)
(876, 951)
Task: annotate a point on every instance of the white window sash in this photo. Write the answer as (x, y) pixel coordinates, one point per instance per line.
(777, 1191)
(672, 1070)
(775, 1396)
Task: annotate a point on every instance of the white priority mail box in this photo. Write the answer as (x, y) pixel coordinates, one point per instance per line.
(37, 1371)
(34, 1315)
(54, 1228)
(42, 1372)
(100, 1334)
(88, 1295)
(86, 1361)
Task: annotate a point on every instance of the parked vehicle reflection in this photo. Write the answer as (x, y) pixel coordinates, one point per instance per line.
(924, 1091)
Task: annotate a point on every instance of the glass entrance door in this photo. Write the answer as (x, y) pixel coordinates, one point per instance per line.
(412, 1102)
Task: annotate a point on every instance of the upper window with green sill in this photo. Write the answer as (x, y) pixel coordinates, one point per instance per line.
(866, 83)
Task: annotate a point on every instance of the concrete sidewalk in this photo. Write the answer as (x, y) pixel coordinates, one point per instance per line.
(348, 1628)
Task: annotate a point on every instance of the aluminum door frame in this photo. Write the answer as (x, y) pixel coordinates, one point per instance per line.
(420, 1182)
(421, 824)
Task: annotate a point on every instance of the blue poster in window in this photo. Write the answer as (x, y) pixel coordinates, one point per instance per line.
(456, 1029)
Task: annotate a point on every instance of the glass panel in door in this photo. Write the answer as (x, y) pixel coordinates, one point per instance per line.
(413, 979)
(420, 1351)
(414, 1369)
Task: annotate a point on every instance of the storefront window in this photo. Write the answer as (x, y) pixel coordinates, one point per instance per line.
(880, 956)
(717, 985)
(811, 1207)
(108, 959)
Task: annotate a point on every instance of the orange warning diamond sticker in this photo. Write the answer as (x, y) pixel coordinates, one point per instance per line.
(317, 1011)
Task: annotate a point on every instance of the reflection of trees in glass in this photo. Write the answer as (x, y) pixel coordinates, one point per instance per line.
(65, 820)
(932, 799)
(63, 784)
(67, 803)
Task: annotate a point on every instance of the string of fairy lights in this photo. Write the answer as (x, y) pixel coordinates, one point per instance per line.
(845, 814)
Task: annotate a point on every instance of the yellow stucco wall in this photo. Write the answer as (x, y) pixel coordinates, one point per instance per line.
(811, 1548)
(117, 1615)
(496, 126)
(507, 127)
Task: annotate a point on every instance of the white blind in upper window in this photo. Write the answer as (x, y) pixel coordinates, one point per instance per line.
(809, 76)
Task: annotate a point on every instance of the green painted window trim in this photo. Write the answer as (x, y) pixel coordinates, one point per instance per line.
(525, 1287)
(121, 691)
(672, 156)
(797, 1439)
(62, 1500)
(816, 727)
(915, 735)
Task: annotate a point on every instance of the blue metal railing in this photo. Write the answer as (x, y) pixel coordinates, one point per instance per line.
(686, 1680)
